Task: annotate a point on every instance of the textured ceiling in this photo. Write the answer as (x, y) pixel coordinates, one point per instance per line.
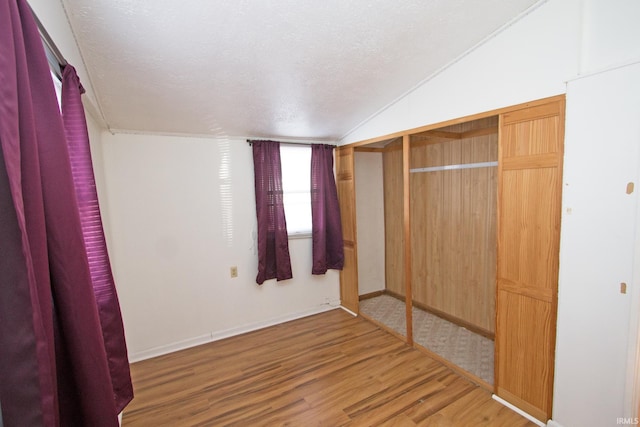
(269, 68)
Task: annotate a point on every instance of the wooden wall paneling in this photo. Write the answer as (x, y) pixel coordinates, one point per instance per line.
(453, 226)
(529, 203)
(393, 222)
(346, 194)
(481, 187)
(429, 228)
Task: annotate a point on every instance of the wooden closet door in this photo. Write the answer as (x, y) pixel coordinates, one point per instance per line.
(346, 195)
(529, 204)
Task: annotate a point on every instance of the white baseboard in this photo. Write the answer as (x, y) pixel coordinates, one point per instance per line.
(518, 410)
(552, 423)
(215, 336)
(349, 311)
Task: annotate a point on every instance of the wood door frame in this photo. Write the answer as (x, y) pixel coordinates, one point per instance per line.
(345, 171)
(406, 220)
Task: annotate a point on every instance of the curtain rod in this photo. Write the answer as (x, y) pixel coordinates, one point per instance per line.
(52, 51)
(303, 144)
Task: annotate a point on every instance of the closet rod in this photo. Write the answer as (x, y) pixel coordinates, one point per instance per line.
(455, 167)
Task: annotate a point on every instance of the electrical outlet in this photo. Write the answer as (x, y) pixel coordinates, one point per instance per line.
(234, 271)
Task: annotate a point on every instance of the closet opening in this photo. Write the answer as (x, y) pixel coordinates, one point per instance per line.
(453, 202)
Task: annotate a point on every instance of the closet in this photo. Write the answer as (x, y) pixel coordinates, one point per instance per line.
(453, 186)
(459, 222)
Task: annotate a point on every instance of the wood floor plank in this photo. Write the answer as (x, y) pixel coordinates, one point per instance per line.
(331, 369)
(454, 388)
(476, 408)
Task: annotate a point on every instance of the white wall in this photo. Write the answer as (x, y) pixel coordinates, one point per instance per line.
(182, 212)
(533, 59)
(610, 34)
(602, 155)
(370, 219)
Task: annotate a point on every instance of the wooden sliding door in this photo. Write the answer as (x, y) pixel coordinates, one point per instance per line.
(346, 194)
(529, 204)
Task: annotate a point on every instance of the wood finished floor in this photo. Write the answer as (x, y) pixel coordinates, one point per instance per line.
(330, 369)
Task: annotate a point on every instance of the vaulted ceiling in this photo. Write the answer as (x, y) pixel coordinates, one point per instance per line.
(269, 68)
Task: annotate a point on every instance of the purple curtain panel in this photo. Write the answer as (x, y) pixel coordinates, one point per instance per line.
(273, 242)
(53, 361)
(102, 282)
(328, 246)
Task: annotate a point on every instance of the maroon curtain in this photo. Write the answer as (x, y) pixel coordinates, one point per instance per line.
(273, 241)
(328, 246)
(53, 363)
(75, 126)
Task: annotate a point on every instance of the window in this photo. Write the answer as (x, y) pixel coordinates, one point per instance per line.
(57, 84)
(296, 182)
